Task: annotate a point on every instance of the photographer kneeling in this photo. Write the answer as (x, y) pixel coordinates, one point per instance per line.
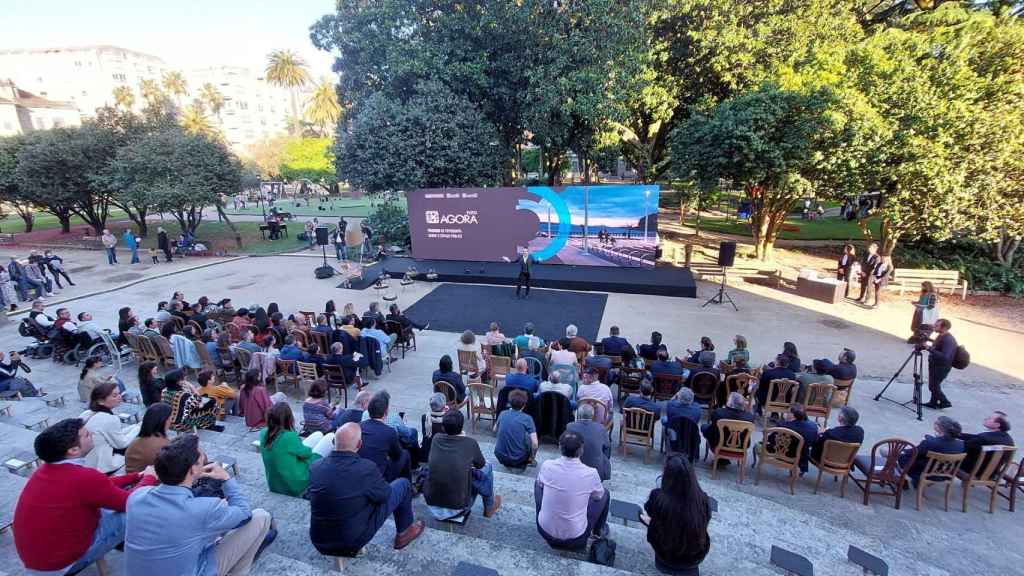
(9, 379)
(940, 362)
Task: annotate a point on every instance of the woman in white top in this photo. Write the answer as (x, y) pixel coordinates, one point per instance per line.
(110, 439)
(494, 335)
(467, 343)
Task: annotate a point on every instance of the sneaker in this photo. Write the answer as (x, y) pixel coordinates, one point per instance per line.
(497, 504)
(409, 534)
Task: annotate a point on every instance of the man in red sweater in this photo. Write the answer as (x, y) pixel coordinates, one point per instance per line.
(68, 516)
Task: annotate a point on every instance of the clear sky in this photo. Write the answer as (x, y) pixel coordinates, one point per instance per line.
(186, 34)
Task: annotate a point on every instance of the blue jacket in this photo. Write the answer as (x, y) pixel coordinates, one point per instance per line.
(348, 501)
(676, 409)
(170, 532)
(614, 345)
(669, 367)
(524, 381)
(380, 444)
(638, 401)
(291, 352)
(939, 444)
(809, 431)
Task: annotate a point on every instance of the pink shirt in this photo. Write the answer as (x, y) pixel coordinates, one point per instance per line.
(569, 485)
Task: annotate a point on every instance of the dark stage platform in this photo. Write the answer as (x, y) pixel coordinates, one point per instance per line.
(659, 281)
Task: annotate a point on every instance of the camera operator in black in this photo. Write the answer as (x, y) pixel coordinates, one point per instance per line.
(940, 361)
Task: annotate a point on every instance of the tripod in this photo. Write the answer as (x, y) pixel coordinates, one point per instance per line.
(917, 355)
(722, 294)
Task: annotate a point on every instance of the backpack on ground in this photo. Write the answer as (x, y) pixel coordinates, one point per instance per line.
(602, 551)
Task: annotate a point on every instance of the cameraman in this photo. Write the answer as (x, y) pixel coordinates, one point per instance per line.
(10, 381)
(940, 361)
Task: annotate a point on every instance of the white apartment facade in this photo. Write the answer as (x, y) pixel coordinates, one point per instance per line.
(253, 109)
(22, 112)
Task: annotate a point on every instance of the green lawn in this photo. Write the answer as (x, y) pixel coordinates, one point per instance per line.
(335, 208)
(219, 238)
(822, 229)
(13, 224)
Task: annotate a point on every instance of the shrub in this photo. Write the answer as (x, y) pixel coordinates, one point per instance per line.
(971, 258)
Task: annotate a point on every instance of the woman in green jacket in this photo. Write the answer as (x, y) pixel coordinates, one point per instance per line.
(286, 457)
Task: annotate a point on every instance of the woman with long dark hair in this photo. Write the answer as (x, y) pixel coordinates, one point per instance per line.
(150, 383)
(253, 400)
(109, 439)
(286, 457)
(789, 349)
(677, 516)
(152, 437)
(189, 408)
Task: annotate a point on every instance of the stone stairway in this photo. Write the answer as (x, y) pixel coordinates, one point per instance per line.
(742, 532)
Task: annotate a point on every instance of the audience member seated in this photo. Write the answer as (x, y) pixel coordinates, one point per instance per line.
(845, 370)
(816, 375)
(561, 356)
(438, 408)
(577, 344)
(780, 370)
(408, 436)
(524, 340)
(594, 388)
(516, 441)
(613, 345)
(601, 362)
(682, 406)
(520, 378)
(88, 328)
(384, 340)
(248, 342)
(290, 351)
(597, 450)
(740, 351)
(286, 457)
(677, 516)
(62, 530)
(663, 366)
(349, 500)
(171, 531)
(9, 379)
(735, 409)
(571, 502)
(142, 452)
(457, 473)
(947, 442)
(90, 378)
(253, 401)
(445, 373)
(796, 420)
(380, 441)
(997, 433)
(374, 314)
(396, 315)
(151, 385)
(707, 350)
(321, 325)
(349, 326)
(792, 357)
(740, 367)
(847, 431)
(707, 366)
(316, 412)
(109, 439)
(355, 413)
(350, 362)
(650, 351)
(467, 343)
(531, 351)
(493, 337)
(644, 400)
(554, 384)
(191, 411)
(225, 396)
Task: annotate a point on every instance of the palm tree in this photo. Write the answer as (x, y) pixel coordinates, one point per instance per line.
(194, 121)
(212, 98)
(287, 70)
(174, 83)
(124, 97)
(322, 108)
(152, 93)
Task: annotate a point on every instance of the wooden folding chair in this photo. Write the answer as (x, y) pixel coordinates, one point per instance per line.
(836, 459)
(841, 397)
(817, 401)
(781, 448)
(637, 428)
(630, 380)
(501, 366)
(733, 443)
(741, 383)
(939, 468)
(482, 404)
(334, 376)
(887, 474)
(666, 386)
(451, 396)
(288, 371)
(1013, 481)
(989, 470)
(602, 413)
(782, 393)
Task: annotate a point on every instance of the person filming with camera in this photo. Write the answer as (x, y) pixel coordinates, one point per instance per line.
(940, 360)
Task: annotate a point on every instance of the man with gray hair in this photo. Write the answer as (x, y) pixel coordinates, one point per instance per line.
(597, 450)
(576, 343)
(847, 432)
(735, 409)
(947, 441)
(438, 407)
(681, 406)
(355, 413)
(554, 384)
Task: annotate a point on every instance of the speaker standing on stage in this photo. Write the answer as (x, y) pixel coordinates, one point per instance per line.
(871, 261)
(845, 266)
(940, 361)
(524, 273)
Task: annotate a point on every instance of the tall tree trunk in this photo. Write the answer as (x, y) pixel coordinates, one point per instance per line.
(231, 226)
(889, 238)
(27, 216)
(65, 222)
(1006, 248)
(295, 112)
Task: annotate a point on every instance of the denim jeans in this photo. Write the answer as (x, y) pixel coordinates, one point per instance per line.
(28, 282)
(109, 533)
(135, 255)
(111, 256)
(483, 485)
(400, 504)
(339, 250)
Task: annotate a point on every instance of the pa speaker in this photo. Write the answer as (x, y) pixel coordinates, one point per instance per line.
(324, 272)
(726, 254)
(322, 236)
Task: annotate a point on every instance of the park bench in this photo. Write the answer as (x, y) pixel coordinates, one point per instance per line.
(911, 278)
(6, 238)
(789, 228)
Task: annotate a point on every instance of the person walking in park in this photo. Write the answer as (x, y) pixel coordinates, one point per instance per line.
(110, 244)
(164, 243)
(56, 265)
(132, 243)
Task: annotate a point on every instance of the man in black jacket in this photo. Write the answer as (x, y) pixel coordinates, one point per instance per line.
(650, 351)
(997, 433)
(458, 471)
(847, 432)
(778, 372)
(940, 362)
(349, 500)
(947, 441)
(524, 273)
(867, 270)
(734, 410)
(380, 441)
(845, 370)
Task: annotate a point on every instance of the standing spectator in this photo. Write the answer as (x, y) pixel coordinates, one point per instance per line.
(164, 244)
(60, 529)
(516, 441)
(132, 243)
(110, 244)
(845, 265)
(349, 500)
(8, 297)
(171, 532)
(867, 268)
(677, 516)
(571, 502)
(310, 230)
(364, 226)
(339, 244)
(458, 472)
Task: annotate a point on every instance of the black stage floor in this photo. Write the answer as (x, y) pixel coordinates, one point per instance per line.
(660, 281)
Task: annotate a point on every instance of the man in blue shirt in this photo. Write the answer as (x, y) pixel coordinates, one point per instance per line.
(517, 436)
(643, 400)
(663, 366)
(170, 532)
(290, 351)
(523, 340)
(777, 372)
(796, 420)
(613, 344)
(520, 379)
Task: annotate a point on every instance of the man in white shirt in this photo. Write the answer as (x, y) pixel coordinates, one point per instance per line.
(87, 326)
(594, 388)
(554, 384)
(571, 502)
